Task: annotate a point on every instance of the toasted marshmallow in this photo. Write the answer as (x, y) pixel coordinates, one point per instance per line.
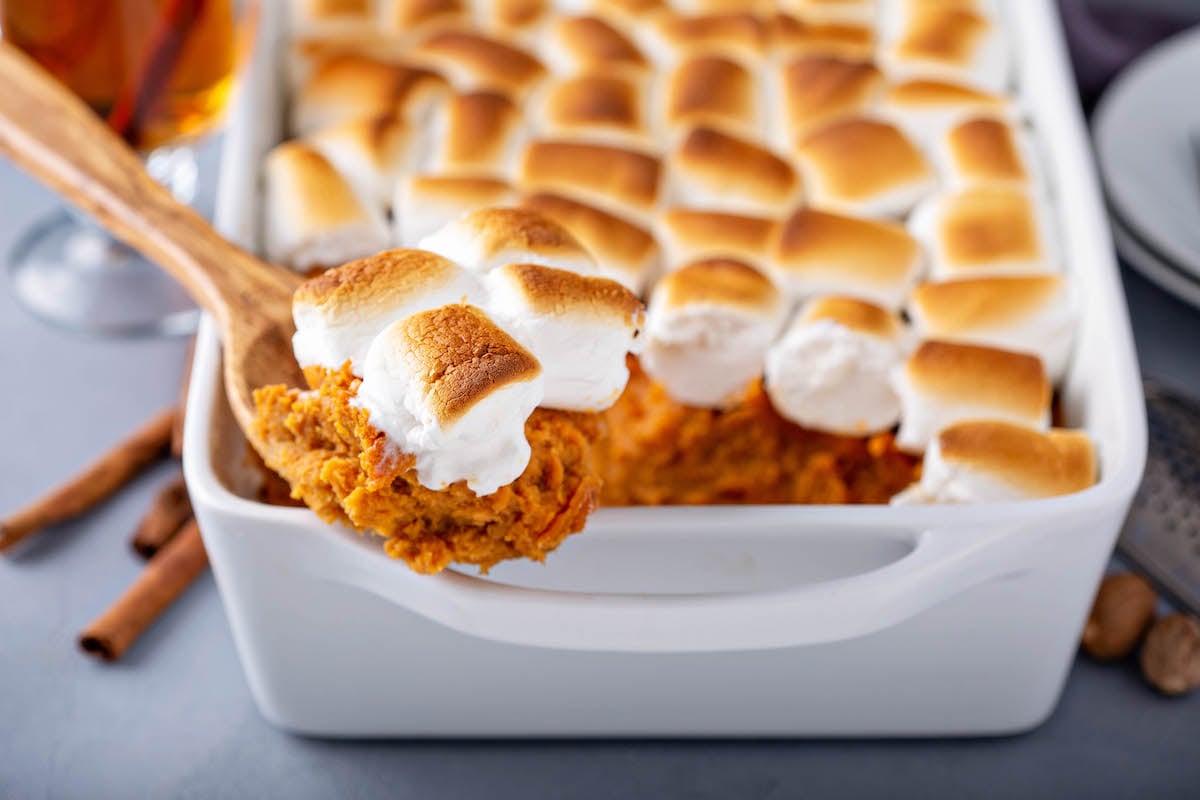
(694, 8)
(942, 383)
(820, 253)
(473, 62)
(669, 37)
(492, 237)
(831, 371)
(340, 312)
(623, 252)
(308, 52)
(793, 38)
(348, 87)
(625, 14)
(449, 387)
(846, 12)
(985, 230)
(708, 328)
(718, 171)
(687, 235)
(711, 90)
(586, 44)
(313, 216)
(822, 89)
(624, 182)
(331, 17)
(371, 154)
(1029, 314)
(950, 42)
(864, 167)
(988, 461)
(410, 17)
(426, 203)
(579, 327)
(476, 133)
(609, 109)
(985, 150)
(514, 20)
(926, 109)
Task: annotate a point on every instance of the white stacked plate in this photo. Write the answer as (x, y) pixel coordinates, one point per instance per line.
(1147, 136)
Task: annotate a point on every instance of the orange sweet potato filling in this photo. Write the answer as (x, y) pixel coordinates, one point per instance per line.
(660, 452)
(646, 450)
(346, 471)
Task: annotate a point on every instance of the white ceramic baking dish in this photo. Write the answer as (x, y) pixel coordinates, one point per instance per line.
(781, 620)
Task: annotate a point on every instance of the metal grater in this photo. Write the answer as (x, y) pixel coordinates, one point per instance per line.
(1162, 534)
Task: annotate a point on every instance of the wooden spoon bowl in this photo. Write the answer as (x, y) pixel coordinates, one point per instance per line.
(55, 137)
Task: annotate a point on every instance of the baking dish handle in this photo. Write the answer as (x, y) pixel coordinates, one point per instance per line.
(941, 564)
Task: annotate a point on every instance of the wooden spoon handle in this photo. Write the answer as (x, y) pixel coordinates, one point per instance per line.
(53, 135)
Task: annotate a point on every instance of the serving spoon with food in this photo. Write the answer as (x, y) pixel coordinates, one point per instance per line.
(55, 137)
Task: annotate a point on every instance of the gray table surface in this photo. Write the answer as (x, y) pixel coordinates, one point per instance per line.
(175, 718)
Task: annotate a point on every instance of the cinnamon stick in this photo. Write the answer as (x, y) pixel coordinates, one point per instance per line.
(169, 510)
(165, 577)
(181, 406)
(93, 484)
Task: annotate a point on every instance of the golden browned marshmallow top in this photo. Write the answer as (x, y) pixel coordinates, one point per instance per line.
(624, 251)
(584, 104)
(792, 37)
(347, 86)
(717, 166)
(939, 32)
(589, 42)
(735, 34)
(688, 234)
(963, 373)
(1036, 463)
(820, 89)
(464, 356)
(811, 239)
(485, 234)
(717, 281)
(990, 224)
(305, 176)
(623, 178)
(550, 291)
(480, 62)
(854, 314)
(476, 132)
(860, 158)
(952, 307)
(985, 149)
(385, 279)
(714, 90)
(405, 16)
(921, 93)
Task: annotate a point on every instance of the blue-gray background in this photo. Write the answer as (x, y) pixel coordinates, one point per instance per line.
(175, 719)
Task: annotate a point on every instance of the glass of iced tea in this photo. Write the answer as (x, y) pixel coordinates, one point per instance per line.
(160, 73)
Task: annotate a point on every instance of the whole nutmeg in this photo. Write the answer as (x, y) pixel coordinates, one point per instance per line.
(1123, 609)
(1171, 654)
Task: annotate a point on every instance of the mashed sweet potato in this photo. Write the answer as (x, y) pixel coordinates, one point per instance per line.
(346, 471)
(660, 452)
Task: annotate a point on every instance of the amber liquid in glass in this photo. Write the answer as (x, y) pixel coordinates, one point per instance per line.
(159, 71)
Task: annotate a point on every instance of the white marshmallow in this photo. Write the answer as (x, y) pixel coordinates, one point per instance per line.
(370, 153)
(831, 370)
(454, 429)
(579, 327)
(339, 313)
(708, 328)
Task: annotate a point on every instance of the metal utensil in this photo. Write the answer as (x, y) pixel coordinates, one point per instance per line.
(1161, 537)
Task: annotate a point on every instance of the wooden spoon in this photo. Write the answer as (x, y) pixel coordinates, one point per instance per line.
(50, 133)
